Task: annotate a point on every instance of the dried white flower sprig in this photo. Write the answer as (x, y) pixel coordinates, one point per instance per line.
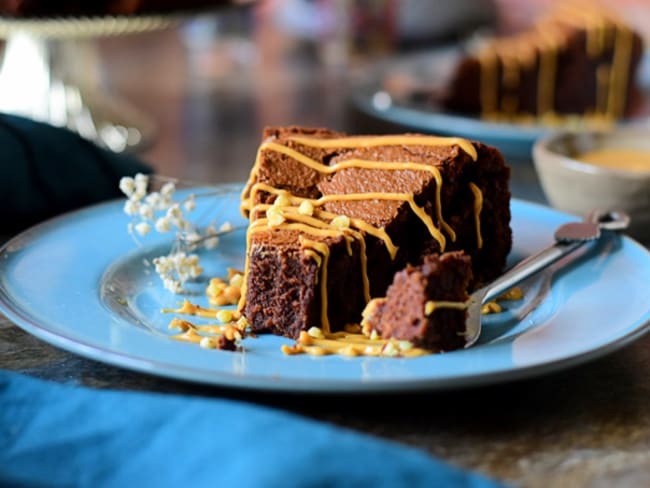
(161, 212)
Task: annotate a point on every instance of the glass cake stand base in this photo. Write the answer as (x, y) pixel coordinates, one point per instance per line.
(50, 72)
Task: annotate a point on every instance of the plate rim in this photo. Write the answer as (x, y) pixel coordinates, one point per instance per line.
(200, 375)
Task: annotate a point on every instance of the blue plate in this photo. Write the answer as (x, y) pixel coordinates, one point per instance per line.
(80, 283)
(402, 91)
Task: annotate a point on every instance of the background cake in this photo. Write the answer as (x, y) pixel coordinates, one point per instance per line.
(579, 59)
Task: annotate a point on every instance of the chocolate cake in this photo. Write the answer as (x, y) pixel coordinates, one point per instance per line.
(426, 304)
(41, 8)
(334, 217)
(576, 60)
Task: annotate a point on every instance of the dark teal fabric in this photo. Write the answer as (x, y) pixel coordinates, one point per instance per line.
(54, 435)
(46, 170)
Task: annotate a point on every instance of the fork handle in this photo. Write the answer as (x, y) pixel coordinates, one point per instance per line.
(529, 267)
(568, 238)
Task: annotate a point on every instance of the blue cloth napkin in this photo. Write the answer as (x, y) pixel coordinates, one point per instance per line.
(46, 170)
(59, 435)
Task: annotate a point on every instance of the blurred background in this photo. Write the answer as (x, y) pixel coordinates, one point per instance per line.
(191, 92)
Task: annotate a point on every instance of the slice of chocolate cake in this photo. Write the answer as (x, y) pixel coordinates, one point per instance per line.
(578, 60)
(425, 304)
(389, 199)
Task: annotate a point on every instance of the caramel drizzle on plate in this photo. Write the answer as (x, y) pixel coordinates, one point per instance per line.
(319, 222)
(355, 340)
(544, 43)
(351, 344)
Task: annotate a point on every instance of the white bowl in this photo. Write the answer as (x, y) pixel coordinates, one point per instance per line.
(577, 187)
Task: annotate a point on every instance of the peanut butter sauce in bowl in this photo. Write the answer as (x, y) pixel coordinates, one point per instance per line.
(605, 170)
(618, 158)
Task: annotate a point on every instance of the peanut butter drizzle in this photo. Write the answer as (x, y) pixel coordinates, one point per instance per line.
(611, 83)
(594, 21)
(488, 83)
(352, 344)
(362, 141)
(603, 77)
(404, 197)
(246, 196)
(598, 22)
(368, 229)
(367, 164)
(195, 333)
(356, 223)
(547, 73)
(263, 224)
(315, 256)
(478, 207)
(315, 227)
(291, 213)
(619, 72)
(433, 305)
(189, 308)
(396, 140)
(348, 234)
(324, 251)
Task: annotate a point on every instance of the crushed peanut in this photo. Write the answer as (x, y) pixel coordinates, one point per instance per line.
(282, 200)
(274, 216)
(405, 345)
(221, 293)
(208, 343)
(224, 316)
(305, 339)
(242, 323)
(237, 280)
(315, 332)
(306, 208)
(515, 293)
(390, 350)
(491, 307)
(341, 222)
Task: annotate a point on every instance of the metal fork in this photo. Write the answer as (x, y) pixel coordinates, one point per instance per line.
(568, 238)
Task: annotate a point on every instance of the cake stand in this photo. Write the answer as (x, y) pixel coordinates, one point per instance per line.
(50, 72)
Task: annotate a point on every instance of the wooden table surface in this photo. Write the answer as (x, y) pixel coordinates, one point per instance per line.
(585, 426)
